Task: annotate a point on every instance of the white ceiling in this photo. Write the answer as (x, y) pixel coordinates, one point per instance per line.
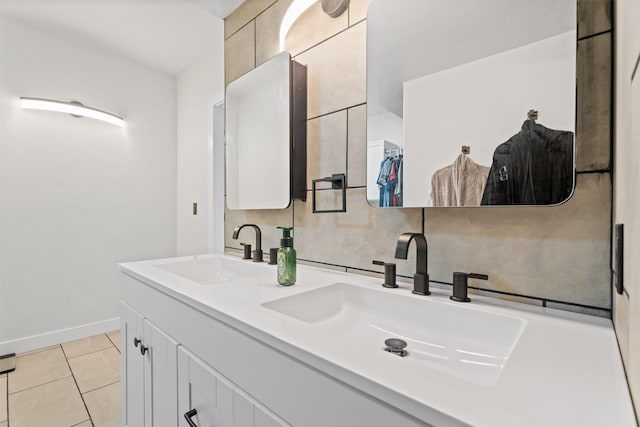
(166, 35)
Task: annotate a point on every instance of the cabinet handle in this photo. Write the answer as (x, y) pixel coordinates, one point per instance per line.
(143, 349)
(190, 414)
(136, 341)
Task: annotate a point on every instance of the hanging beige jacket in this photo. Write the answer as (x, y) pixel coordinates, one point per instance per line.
(460, 184)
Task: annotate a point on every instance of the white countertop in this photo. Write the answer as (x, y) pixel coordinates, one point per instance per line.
(564, 371)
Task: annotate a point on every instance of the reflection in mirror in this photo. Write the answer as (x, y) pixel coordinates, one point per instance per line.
(470, 102)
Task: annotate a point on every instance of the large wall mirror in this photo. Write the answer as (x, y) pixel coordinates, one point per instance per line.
(470, 102)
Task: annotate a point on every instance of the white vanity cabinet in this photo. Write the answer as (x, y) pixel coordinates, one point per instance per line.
(163, 381)
(216, 400)
(149, 365)
(231, 378)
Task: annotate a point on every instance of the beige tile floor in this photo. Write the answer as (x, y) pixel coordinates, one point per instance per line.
(76, 384)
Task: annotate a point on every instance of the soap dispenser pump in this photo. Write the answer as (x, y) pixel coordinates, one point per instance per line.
(286, 258)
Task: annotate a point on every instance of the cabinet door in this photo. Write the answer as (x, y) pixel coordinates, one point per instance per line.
(198, 389)
(160, 378)
(132, 368)
(218, 402)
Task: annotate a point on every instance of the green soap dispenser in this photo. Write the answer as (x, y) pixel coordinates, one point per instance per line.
(286, 258)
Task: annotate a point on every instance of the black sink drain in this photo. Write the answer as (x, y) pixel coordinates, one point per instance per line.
(396, 346)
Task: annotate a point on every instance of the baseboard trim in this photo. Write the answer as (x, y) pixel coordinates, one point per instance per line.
(60, 336)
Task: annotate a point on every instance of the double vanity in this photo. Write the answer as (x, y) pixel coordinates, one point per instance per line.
(213, 341)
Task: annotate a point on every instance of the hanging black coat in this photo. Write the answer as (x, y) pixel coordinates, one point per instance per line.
(534, 167)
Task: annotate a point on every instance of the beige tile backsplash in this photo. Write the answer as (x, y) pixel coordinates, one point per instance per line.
(268, 31)
(312, 27)
(239, 53)
(336, 72)
(267, 220)
(327, 145)
(558, 253)
(244, 14)
(544, 252)
(357, 146)
(594, 16)
(593, 124)
(356, 237)
(358, 10)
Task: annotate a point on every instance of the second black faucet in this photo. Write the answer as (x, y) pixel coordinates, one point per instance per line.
(421, 278)
(257, 254)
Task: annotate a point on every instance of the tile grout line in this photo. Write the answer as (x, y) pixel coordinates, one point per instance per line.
(346, 154)
(37, 351)
(255, 43)
(252, 19)
(101, 387)
(34, 386)
(92, 352)
(66, 359)
(114, 344)
(7, 396)
(336, 111)
(77, 387)
(328, 38)
(635, 68)
(590, 36)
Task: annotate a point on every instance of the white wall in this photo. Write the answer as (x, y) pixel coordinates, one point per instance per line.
(199, 88)
(78, 195)
(627, 180)
(482, 104)
(385, 126)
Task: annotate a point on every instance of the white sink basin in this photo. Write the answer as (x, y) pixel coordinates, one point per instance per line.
(468, 343)
(211, 271)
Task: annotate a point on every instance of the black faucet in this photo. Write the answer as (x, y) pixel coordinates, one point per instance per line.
(421, 278)
(460, 285)
(257, 254)
(389, 273)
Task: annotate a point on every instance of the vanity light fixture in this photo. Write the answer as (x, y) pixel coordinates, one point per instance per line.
(74, 108)
(333, 8)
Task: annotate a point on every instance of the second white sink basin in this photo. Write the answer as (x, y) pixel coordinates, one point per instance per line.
(211, 271)
(468, 343)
